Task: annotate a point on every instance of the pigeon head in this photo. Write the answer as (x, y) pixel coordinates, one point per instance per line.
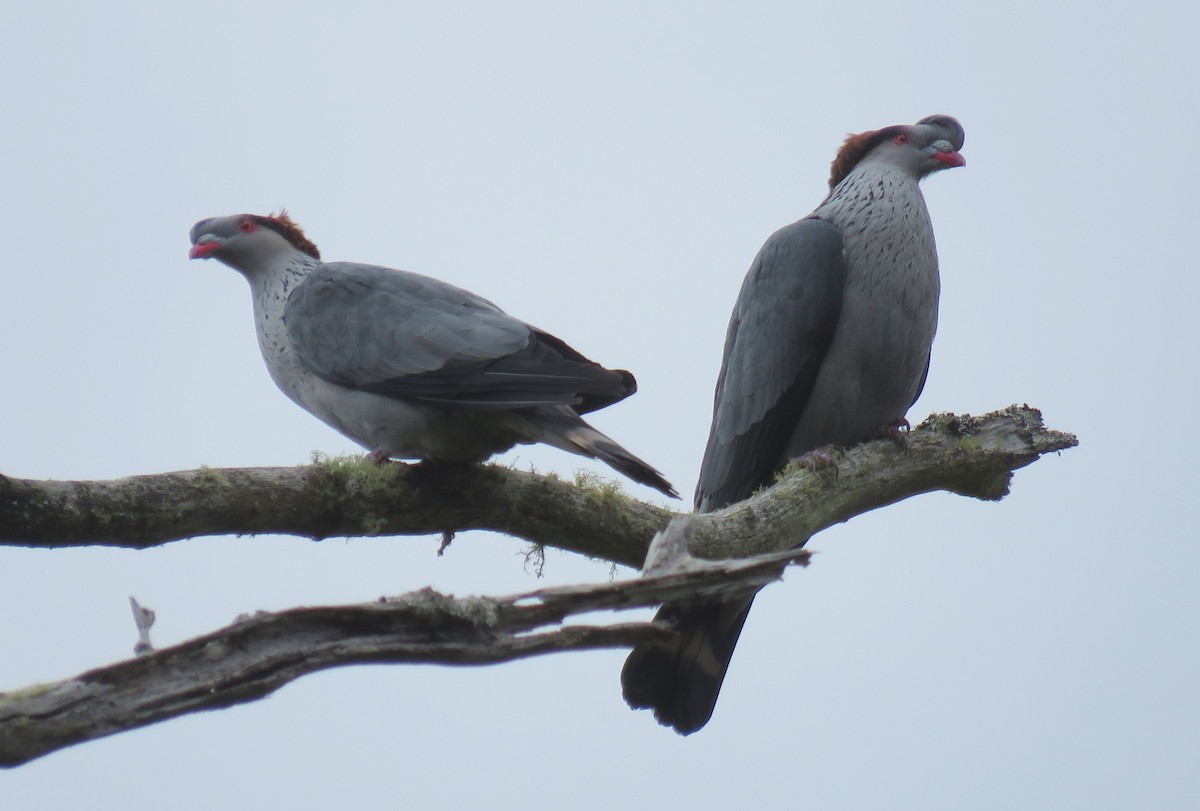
(247, 241)
(930, 145)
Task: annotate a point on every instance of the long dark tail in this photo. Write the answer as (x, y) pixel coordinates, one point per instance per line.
(681, 680)
(574, 435)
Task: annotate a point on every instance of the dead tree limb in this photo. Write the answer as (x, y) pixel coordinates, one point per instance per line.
(257, 655)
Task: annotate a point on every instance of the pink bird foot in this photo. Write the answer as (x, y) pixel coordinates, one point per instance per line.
(818, 458)
(897, 432)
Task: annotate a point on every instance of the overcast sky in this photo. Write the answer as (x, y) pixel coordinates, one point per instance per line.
(607, 171)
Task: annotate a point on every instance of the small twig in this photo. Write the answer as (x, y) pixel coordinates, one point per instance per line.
(144, 618)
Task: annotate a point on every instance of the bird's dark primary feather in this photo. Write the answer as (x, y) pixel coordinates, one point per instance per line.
(540, 374)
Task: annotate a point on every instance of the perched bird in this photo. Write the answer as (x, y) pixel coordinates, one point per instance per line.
(408, 366)
(828, 345)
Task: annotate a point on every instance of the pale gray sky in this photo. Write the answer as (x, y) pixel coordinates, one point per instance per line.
(607, 171)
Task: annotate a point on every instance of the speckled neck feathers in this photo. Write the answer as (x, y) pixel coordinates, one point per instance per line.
(885, 224)
(270, 288)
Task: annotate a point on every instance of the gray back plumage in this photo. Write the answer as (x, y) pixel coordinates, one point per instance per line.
(404, 335)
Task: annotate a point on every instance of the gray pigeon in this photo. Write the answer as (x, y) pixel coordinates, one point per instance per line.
(828, 345)
(408, 366)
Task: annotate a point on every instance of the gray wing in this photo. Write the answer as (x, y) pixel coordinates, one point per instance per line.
(409, 336)
(780, 331)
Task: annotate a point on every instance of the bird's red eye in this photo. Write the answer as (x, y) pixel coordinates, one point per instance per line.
(902, 138)
(246, 226)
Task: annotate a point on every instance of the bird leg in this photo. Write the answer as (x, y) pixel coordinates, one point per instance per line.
(897, 431)
(818, 458)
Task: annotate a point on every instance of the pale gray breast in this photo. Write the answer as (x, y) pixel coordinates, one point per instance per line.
(876, 364)
(892, 268)
(886, 230)
(271, 290)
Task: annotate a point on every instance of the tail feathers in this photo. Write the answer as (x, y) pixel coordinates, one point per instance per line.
(681, 680)
(581, 438)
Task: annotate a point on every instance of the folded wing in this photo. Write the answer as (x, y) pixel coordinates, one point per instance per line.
(411, 337)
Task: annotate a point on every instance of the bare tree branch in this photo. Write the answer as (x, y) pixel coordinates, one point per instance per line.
(970, 456)
(973, 456)
(256, 656)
